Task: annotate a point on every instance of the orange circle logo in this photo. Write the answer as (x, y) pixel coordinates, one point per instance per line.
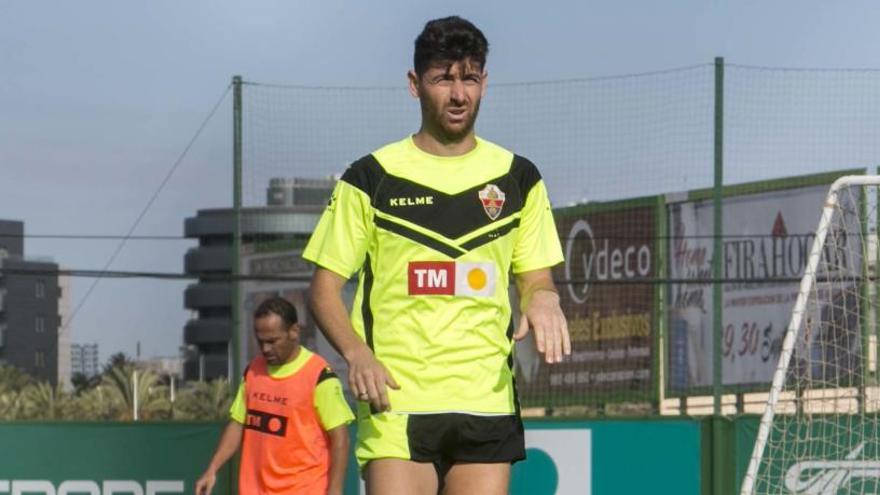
(274, 425)
(476, 279)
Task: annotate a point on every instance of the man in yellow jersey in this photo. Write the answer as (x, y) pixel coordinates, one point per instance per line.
(289, 415)
(434, 224)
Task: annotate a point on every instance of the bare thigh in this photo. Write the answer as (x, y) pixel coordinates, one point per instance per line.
(400, 477)
(485, 479)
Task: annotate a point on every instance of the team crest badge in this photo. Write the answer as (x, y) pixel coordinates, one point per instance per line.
(492, 199)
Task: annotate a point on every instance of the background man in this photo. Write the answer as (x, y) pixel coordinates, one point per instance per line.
(289, 414)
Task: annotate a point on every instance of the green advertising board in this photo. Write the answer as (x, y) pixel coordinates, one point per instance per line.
(564, 457)
(825, 455)
(106, 458)
(610, 457)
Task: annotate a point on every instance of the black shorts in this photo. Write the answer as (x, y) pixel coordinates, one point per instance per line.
(442, 439)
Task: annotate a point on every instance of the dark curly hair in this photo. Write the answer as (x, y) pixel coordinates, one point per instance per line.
(450, 39)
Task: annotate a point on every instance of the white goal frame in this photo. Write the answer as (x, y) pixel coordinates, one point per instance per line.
(797, 314)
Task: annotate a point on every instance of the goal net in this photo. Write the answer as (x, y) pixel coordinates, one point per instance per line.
(819, 432)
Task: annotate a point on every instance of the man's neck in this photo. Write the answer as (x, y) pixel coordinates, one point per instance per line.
(293, 356)
(429, 143)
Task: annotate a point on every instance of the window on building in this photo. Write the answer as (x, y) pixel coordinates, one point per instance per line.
(40, 359)
(39, 324)
(41, 289)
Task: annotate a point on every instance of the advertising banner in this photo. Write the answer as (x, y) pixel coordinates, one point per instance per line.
(563, 458)
(846, 462)
(100, 459)
(598, 458)
(767, 241)
(610, 314)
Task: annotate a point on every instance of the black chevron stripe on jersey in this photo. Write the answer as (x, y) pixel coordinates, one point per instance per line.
(427, 241)
(449, 215)
(365, 174)
(491, 235)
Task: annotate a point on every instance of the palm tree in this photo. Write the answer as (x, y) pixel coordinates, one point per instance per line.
(81, 382)
(95, 403)
(41, 401)
(10, 405)
(13, 378)
(119, 383)
(204, 401)
(116, 361)
(12, 382)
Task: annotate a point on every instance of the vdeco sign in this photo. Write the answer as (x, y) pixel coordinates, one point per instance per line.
(615, 253)
(821, 477)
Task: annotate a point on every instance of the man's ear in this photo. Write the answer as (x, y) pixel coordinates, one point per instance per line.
(413, 80)
(294, 330)
(484, 82)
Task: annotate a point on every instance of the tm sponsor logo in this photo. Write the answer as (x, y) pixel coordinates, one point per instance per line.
(817, 477)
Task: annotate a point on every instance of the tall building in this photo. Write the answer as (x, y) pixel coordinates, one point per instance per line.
(29, 318)
(84, 360)
(64, 350)
(295, 205)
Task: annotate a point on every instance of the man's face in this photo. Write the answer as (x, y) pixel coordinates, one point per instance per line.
(277, 343)
(449, 94)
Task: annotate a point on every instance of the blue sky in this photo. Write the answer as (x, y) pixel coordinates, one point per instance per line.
(98, 98)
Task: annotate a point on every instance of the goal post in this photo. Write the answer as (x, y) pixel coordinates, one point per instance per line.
(819, 433)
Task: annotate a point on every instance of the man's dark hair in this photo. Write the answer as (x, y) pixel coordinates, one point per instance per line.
(450, 39)
(277, 306)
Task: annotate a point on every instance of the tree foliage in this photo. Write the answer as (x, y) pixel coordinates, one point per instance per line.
(110, 396)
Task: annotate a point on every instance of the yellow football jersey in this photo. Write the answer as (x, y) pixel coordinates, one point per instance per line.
(434, 240)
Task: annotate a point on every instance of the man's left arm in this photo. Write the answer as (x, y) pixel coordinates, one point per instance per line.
(539, 304)
(335, 415)
(339, 444)
(537, 249)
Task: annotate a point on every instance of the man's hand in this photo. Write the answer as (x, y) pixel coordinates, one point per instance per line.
(541, 312)
(205, 484)
(366, 376)
(226, 447)
(368, 379)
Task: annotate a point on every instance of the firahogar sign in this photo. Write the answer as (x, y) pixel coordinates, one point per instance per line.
(767, 235)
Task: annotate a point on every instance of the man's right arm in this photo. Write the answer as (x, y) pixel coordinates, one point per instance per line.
(367, 377)
(229, 443)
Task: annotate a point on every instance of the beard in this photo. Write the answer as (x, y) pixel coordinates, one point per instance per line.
(438, 124)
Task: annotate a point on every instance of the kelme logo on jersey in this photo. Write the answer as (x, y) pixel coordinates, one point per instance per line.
(450, 278)
(413, 201)
(492, 199)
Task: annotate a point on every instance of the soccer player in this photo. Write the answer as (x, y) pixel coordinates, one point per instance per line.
(289, 414)
(434, 224)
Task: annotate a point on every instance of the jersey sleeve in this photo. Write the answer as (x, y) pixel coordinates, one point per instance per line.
(333, 410)
(537, 245)
(238, 409)
(339, 242)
